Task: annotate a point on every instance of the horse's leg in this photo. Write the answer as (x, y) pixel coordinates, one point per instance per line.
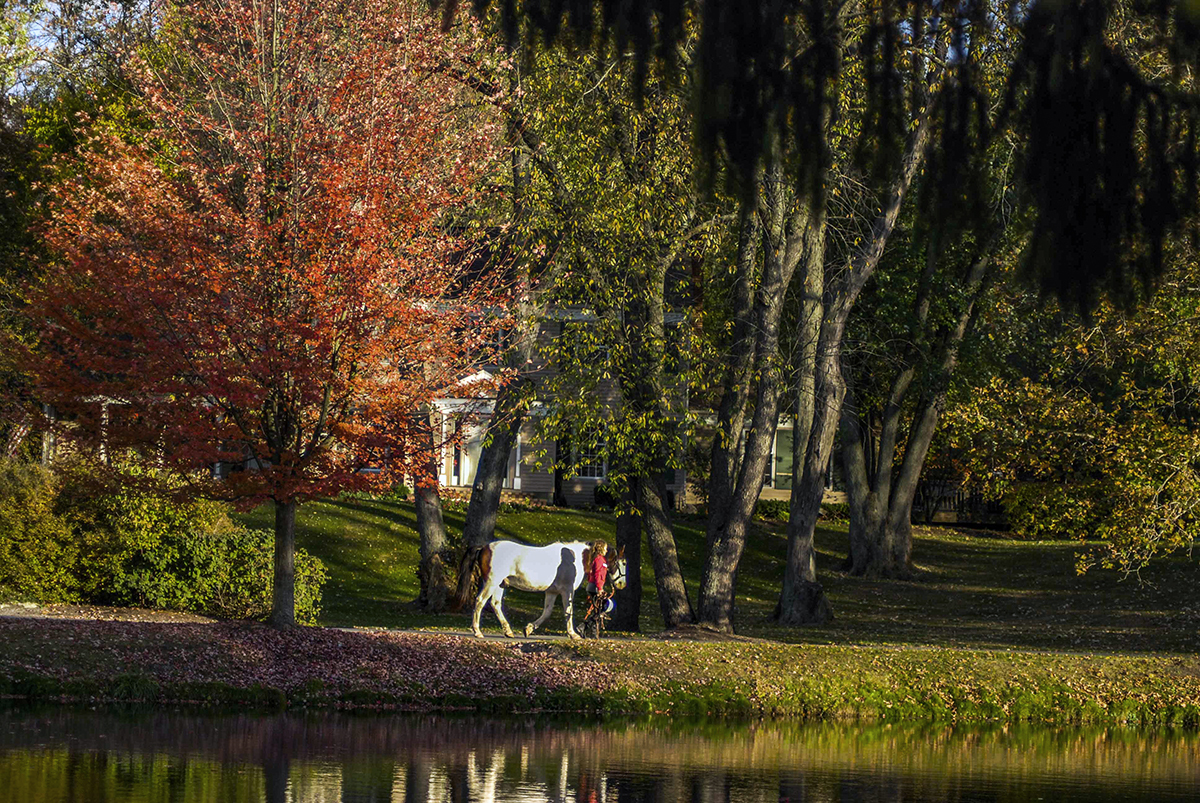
(546, 610)
(497, 598)
(480, 601)
(568, 603)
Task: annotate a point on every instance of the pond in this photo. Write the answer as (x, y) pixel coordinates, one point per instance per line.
(63, 754)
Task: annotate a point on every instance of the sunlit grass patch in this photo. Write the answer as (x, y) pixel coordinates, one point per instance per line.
(970, 590)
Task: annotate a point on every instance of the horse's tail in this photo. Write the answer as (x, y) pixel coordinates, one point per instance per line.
(474, 567)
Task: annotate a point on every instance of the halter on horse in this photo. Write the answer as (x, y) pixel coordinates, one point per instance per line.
(557, 569)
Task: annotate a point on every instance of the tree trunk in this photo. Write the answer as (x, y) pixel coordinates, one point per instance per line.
(731, 415)
(641, 328)
(511, 405)
(49, 438)
(562, 458)
(787, 237)
(283, 601)
(865, 516)
(880, 544)
(656, 518)
(801, 600)
(881, 498)
(435, 586)
(512, 402)
(431, 572)
(628, 600)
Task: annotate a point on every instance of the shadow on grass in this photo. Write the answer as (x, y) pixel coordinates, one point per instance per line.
(969, 589)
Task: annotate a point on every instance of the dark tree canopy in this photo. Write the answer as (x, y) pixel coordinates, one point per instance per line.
(1111, 148)
(1111, 158)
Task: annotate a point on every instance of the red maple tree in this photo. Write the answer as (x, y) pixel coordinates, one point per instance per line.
(268, 277)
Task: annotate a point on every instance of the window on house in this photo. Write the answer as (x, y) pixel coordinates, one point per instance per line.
(500, 340)
(783, 459)
(590, 461)
(583, 342)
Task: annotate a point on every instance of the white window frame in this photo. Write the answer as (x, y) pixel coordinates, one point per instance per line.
(593, 461)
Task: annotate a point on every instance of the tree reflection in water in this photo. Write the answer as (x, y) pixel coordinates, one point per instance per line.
(66, 755)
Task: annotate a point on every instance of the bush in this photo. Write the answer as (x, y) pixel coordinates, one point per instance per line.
(37, 548)
(1046, 510)
(69, 540)
(835, 511)
(604, 495)
(780, 510)
(118, 531)
(398, 493)
(458, 501)
(772, 509)
(223, 571)
(241, 562)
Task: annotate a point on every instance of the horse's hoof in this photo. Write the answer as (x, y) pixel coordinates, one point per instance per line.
(529, 630)
(509, 634)
(478, 634)
(575, 636)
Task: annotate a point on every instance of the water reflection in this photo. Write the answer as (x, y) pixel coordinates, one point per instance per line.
(59, 754)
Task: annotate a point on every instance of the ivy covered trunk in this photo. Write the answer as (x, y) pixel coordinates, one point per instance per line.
(644, 388)
(728, 441)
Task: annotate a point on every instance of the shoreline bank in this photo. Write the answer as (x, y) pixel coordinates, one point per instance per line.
(249, 666)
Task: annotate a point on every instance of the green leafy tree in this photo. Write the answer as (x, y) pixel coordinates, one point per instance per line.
(1099, 437)
(629, 240)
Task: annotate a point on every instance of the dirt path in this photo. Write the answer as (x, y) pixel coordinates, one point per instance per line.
(29, 610)
(101, 613)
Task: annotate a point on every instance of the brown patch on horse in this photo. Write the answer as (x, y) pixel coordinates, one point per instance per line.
(474, 567)
(484, 567)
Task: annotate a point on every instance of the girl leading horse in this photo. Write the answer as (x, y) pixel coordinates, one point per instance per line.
(556, 569)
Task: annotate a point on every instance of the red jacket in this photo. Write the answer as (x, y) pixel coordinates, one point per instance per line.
(599, 571)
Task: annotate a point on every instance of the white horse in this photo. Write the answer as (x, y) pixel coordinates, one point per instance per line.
(556, 569)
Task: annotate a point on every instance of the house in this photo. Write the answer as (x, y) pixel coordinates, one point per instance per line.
(531, 472)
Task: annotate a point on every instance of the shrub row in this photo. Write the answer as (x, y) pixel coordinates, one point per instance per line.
(458, 501)
(1045, 510)
(779, 510)
(63, 540)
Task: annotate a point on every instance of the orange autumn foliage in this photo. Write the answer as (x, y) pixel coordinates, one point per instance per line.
(272, 272)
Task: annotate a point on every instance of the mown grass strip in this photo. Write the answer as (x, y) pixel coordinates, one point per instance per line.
(333, 669)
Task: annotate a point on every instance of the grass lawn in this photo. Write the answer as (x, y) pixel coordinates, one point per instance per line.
(972, 590)
(990, 630)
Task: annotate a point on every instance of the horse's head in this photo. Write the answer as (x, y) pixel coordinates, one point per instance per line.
(618, 567)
